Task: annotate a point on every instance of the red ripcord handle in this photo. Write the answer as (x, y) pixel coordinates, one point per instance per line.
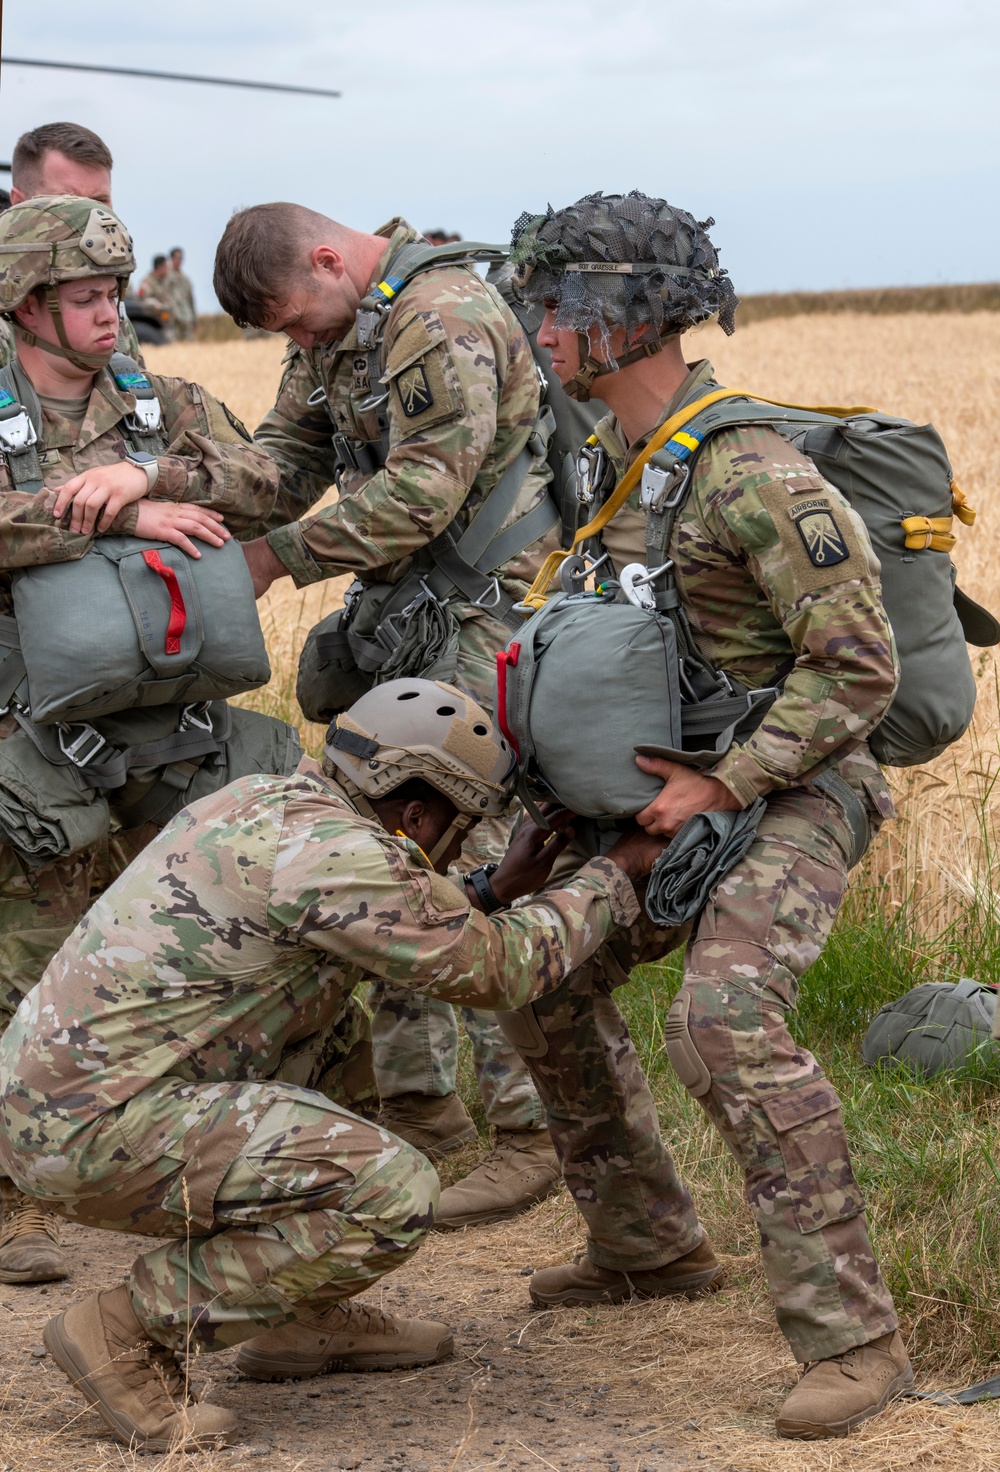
(178, 612)
(506, 658)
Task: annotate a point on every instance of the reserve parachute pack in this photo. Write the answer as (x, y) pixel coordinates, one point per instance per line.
(117, 665)
(384, 630)
(567, 682)
(939, 1025)
(132, 622)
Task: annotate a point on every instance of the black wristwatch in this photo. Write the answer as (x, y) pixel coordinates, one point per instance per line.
(480, 881)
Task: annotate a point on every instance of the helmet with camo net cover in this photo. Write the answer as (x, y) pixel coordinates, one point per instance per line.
(620, 260)
(427, 729)
(52, 239)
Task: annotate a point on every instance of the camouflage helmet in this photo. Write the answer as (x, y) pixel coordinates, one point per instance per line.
(620, 260)
(52, 239)
(427, 729)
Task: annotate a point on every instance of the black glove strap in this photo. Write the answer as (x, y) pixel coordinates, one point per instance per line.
(480, 881)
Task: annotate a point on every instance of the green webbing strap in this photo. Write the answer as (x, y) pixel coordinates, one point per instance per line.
(854, 810)
(105, 766)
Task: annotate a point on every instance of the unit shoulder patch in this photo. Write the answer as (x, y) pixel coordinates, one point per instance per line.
(237, 424)
(415, 393)
(821, 536)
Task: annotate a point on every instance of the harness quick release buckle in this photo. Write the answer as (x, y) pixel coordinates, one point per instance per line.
(82, 748)
(198, 716)
(661, 490)
(17, 434)
(146, 418)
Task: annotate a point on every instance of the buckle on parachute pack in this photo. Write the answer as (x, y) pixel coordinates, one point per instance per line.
(492, 593)
(82, 748)
(17, 434)
(661, 490)
(197, 717)
(146, 418)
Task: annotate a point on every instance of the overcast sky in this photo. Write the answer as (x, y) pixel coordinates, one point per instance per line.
(846, 143)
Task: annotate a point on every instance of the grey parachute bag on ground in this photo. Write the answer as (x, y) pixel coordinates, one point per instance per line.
(939, 1025)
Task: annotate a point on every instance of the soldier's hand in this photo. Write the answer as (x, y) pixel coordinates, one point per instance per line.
(265, 566)
(528, 861)
(685, 793)
(177, 522)
(636, 852)
(101, 491)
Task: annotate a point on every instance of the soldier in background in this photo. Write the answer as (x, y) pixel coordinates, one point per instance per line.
(461, 407)
(64, 158)
(182, 307)
(136, 1105)
(620, 278)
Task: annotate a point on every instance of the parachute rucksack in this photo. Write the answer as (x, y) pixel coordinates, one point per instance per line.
(897, 477)
(361, 643)
(132, 622)
(938, 1025)
(115, 665)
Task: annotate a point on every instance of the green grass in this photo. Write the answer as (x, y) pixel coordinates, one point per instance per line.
(926, 1152)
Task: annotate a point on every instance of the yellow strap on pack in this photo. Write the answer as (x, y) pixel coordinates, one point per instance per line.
(961, 507)
(538, 593)
(925, 533)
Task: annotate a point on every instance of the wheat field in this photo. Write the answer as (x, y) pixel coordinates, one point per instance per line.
(942, 367)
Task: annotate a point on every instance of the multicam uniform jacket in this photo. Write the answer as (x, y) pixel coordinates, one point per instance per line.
(236, 936)
(210, 460)
(463, 396)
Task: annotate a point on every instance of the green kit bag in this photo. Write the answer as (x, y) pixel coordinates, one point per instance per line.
(936, 1026)
(137, 623)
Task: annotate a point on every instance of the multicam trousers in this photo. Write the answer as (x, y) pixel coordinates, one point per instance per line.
(416, 1038)
(727, 1038)
(308, 1209)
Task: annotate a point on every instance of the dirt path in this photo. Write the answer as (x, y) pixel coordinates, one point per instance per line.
(497, 1403)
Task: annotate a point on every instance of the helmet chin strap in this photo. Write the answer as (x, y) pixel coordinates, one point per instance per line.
(579, 385)
(86, 362)
(461, 822)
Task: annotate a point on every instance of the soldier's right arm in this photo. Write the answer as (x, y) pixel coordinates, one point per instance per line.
(365, 900)
(298, 436)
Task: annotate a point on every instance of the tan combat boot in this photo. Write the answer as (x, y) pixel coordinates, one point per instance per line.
(521, 1169)
(582, 1281)
(435, 1124)
(29, 1245)
(348, 1336)
(837, 1394)
(136, 1387)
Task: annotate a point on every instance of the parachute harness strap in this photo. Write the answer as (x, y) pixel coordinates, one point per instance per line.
(542, 587)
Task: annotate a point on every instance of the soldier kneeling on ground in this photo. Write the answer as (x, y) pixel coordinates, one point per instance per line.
(138, 1087)
(102, 466)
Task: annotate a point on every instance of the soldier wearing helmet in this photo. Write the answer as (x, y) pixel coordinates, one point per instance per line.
(621, 278)
(197, 994)
(71, 472)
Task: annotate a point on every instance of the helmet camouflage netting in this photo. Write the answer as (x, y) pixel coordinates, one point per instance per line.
(683, 283)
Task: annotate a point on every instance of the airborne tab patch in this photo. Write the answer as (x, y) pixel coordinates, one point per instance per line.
(414, 391)
(821, 536)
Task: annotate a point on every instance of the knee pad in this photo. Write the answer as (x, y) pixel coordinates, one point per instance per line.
(522, 1031)
(687, 1062)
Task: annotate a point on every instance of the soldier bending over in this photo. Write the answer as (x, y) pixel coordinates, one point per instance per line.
(138, 1086)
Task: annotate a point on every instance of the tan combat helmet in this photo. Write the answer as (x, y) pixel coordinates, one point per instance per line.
(55, 238)
(423, 728)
